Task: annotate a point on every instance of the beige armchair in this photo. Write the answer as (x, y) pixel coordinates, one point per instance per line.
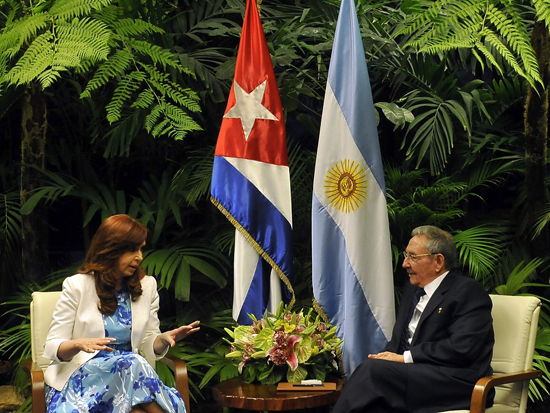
(42, 307)
(515, 320)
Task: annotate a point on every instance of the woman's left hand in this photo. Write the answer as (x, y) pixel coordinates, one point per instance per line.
(170, 338)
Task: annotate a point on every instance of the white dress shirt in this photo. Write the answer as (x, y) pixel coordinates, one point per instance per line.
(429, 289)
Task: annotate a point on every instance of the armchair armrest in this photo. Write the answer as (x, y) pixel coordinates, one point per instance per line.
(37, 386)
(483, 385)
(180, 373)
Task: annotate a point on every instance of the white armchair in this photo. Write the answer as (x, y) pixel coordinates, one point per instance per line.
(515, 320)
(41, 312)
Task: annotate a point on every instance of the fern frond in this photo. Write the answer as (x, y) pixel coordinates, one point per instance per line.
(182, 96)
(443, 25)
(156, 53)
(154, 73)
(13, 11)
(153, 117)
(68, 9)
(114, 66)
(37, 58)
(109, 15)
(162, 128)
(134, 27)
(123, 92)
(496, 42)
(459, 25)
(87, 38)
(144, 100)
(417, 23)
(49, 76)
(515, 33)
(542, 8)
(65, 60)
(175, 122)
(19, 32)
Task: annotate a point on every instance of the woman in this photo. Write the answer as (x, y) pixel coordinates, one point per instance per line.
(104, 329)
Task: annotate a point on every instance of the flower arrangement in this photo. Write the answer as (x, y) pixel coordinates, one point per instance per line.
(284, 345)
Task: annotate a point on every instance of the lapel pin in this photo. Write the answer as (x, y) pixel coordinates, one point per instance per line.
(439, 311)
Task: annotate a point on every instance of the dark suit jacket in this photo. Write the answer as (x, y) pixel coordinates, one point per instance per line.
(454, 335)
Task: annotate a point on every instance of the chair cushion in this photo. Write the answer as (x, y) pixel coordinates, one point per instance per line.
(42, 307)
(515, 320)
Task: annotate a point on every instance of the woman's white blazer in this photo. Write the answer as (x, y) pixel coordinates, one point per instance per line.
(76, 315)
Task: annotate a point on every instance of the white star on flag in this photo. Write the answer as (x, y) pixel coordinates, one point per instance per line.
(248, 107)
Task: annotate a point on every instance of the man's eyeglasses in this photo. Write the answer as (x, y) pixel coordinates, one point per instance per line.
(414, 257)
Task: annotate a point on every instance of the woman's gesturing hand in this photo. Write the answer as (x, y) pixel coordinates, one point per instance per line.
(89, 345)
(170, 338)
(68, 349)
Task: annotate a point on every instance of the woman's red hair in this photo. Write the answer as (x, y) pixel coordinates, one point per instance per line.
(115, 236)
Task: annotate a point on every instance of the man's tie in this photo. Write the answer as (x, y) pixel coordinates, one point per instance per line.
(404, 343)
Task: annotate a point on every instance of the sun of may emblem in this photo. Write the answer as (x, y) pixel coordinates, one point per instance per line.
(346, 185)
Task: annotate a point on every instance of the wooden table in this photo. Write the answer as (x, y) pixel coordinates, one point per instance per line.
(237, 394)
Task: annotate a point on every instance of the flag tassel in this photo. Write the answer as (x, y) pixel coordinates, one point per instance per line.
(258, 249)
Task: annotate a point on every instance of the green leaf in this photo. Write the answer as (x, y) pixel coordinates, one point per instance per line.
(319, 372)
(275, 376)
(264, 339)
(303, 349)
(183, 282)
(297, 375)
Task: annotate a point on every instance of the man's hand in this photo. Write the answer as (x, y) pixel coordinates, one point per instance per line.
(386, 355)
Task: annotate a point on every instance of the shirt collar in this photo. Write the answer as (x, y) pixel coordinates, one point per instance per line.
(432, 285)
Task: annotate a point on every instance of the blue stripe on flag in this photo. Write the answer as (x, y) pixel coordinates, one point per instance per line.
(348, 69)
(260, 287)
(345, 305)
(257, 215)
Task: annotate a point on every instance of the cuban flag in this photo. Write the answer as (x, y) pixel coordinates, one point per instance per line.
(352, 268)
(251, 180)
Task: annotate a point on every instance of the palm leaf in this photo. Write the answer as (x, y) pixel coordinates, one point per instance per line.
(176, 265)
(517, 279)
(480, 249)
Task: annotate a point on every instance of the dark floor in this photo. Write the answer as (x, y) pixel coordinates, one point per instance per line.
(211, 407)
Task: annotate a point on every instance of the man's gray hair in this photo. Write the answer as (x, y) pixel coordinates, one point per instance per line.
(439, 242)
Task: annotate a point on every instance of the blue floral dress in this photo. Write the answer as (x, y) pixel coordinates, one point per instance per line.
(114, 381)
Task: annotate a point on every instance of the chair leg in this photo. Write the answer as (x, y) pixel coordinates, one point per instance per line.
(38, 391)
(182, 380)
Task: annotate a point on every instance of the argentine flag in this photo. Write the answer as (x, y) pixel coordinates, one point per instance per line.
(251, 179)
(352, 269)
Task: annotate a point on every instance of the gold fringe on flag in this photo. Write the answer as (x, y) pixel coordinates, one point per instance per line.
(258, 249)
(323, 315)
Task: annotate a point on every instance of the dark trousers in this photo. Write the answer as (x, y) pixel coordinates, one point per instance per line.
(380, 386)
(369, 386)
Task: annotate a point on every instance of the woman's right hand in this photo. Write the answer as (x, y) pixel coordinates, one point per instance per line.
(68, 349)
(89, 345)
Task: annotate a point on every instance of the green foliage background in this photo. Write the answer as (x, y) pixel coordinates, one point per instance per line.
(135, 92)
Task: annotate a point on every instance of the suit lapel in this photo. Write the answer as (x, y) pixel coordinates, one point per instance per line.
(435, 300)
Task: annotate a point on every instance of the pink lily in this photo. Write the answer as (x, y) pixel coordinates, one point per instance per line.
(283, 349)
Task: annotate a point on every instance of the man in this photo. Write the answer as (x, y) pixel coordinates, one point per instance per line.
(437, 353)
